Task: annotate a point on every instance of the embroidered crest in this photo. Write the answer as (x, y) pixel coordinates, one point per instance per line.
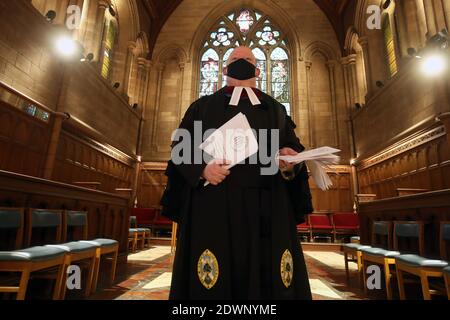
(208, 269)
(287, 268)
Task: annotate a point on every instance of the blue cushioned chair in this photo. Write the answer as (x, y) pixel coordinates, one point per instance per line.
(447, 280)
(379, 228)
(76, 253)
(380, 256)
(27, 261)
(139, 235)
(107, 248)
(422, 267)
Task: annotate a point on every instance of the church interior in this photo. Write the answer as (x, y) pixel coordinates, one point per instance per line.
(92, 90)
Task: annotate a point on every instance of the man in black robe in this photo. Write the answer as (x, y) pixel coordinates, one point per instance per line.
(237, 237)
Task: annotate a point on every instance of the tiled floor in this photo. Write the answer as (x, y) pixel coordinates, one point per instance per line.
(149, 274)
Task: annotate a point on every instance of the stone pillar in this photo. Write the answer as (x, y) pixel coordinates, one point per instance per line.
(99, 29)
(446, 6)
(309, 104)
(351, 77)
(331, 73)
(421, 21)
(430, 17)
(55, 134)
(160, 70)
(363, 41)
(128, 67)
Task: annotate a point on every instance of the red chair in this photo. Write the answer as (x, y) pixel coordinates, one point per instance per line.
(322, 224)
(145, 216)
(346, 223)
(303, 229)
(162, 223)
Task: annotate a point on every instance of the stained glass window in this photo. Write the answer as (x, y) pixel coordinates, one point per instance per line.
(110, 34)
(209, 75)
(255, 30)
(389, 43)
(280, 77)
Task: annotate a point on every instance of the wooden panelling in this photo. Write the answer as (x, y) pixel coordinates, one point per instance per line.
(79, 160)
(422, 162)
(23, 141)
(431, 207)
(339, 197)
(108, 214)
(152, 182)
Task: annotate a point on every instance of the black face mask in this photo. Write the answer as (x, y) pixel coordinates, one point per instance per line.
(241, 70)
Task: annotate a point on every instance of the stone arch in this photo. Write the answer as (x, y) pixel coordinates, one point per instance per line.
(322, 48)
(171, 51)
(277, 15)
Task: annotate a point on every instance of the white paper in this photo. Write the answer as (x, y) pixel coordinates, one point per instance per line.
(318, 161)
(233, 142)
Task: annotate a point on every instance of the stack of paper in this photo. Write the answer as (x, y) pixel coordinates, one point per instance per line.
(318, 161)
(233, 142)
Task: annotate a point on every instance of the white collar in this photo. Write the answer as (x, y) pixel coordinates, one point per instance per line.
(236, 96)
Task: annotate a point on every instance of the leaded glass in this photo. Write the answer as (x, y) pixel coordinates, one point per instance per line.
(261, 64)
(280, 75)
(245, 21)
(255, 30)
(209, 73)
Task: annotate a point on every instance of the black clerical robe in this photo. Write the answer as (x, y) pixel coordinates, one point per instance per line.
(238, 240)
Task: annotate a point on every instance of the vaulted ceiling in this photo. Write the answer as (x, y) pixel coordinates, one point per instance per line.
(159, 11)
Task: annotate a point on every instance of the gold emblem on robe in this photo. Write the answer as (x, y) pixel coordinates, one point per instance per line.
(287, 268)
(208, 269)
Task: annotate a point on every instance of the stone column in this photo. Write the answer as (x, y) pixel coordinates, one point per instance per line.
(99, 29)
(363, 41)
(331, 73)
(446, 6)
(431, 19)
(160, 70)
(128, 67)
(55, 134)
(351, 79)
(309, 104)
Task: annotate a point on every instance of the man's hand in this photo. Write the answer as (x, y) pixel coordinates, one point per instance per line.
(215, 172)
(286, 166)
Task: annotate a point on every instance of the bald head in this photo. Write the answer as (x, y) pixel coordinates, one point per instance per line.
(242, 53)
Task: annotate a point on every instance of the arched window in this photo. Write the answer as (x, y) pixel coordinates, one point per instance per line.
(109, 41)
(389, 43)
(255, 30)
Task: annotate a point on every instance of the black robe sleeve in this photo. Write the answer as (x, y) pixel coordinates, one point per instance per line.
(298, 187)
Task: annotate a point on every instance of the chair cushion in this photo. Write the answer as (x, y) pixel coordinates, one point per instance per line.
(418, 261)
(347, 227)
(133, 230)
(75, 246)
(447, 271)
(103, 242)
(355, 246)
(142, 229)
(32, 254)
(355, 238)
(322, 227)
(379, 252)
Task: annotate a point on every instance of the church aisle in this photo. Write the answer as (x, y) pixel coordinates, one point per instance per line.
(149, 274)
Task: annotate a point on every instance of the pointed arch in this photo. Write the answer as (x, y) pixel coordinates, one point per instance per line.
(322, 48)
